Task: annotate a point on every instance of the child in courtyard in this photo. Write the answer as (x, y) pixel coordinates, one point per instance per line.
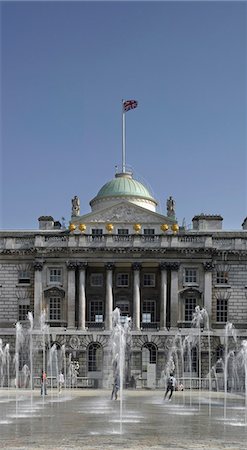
(171, 383)
(43, 383)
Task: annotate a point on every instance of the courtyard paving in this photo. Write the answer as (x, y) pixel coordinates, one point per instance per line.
(88, 419)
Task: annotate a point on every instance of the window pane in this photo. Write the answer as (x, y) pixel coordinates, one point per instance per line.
(149, 231)
(23, 310)
(55, 308)
(190, 276)
(94, 357)
(149, 279)
(146, 317)
(222, 310)
(96, 310)
(190, 304)
(122, 279)
(97, 231)
(222, 277)
(55, 275)
(149, 311)
(123, 231)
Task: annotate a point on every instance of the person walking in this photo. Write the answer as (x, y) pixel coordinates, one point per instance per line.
(171, 383)
(43, 383)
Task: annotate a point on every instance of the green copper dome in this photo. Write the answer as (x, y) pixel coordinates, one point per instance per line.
(123, 185)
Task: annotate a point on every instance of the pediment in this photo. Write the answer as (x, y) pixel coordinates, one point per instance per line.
(123, 212)
(54, 290)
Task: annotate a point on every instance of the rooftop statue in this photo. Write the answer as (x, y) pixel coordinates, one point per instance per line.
(170, 204)
(75, 206)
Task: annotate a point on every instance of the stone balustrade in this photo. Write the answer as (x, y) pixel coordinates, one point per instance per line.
(188, 240)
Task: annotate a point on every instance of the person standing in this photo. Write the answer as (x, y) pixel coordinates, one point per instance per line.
(43, 383)
(171, 383)
(60, 381)
(116, 387)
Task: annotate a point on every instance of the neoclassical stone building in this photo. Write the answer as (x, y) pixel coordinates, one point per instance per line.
(123, 254)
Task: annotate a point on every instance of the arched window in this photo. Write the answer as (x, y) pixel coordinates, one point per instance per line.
(149, 355)
(95, 357)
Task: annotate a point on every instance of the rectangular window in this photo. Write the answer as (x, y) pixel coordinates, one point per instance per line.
(96, 279)
(55, 275)
(190, 276)
(148, 311)
(24, 277)
(221, 310)
(149, 231)
(23, 310)
(149, 279)
(122, 279)
(222, 277)
(97, 233)
(123, 231)
(124, 307)
(96, 311)
(55, 308)
(189, 309)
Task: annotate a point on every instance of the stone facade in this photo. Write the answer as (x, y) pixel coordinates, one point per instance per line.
(153, 272)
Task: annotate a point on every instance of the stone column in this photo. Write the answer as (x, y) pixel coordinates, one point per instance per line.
(108, 296)
(163, 295)
(208, 267)
(71, 266)
(38, 267)
(136, 296)
(82, 295)
(174, 293)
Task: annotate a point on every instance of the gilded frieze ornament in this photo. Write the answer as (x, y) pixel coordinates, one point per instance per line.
(137, 227)
(82, 227)
(109, 227)
(175, 227)
(164, 227)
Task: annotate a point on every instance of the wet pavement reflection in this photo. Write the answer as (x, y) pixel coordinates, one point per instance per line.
(88, 419)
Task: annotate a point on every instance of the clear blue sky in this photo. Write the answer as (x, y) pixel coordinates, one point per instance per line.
(65, 68)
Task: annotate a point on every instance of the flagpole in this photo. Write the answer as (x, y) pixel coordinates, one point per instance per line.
(123, 138)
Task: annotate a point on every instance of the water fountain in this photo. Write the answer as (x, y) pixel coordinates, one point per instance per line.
(119, 338)
(229, 331)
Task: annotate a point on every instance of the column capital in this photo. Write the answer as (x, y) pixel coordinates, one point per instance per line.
(82, 265)
(136, 266)
(109, 266)
(71, 265)
(164, 266)
(38, 265)
(208, 266)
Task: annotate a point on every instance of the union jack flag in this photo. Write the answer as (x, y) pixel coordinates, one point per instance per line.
(129, 104)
